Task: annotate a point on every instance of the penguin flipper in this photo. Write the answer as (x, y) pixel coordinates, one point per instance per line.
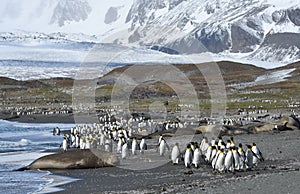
(262, 158)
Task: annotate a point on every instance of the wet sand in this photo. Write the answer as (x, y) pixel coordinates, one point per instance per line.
(279, 173)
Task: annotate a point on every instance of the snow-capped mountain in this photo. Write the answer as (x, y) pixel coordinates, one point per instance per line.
(267, 30)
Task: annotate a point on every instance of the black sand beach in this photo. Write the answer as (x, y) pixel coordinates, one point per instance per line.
(279, 173)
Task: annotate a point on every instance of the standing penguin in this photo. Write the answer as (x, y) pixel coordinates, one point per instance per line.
(236, 158)
(65, 144)
(213, 155)
(249, 158)
(120, 144)
(257, 154)
(162, 147)
(102, 139)
(143, 145)
(219, 166)
(229, 161)
(134, 146)
(77, 140)
(204, 145)
(188, 156)
(208, 153)
(197, 157)
(125, 150)
(242, 164)
(175, 154)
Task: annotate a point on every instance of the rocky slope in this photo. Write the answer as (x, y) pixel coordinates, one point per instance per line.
(264, 29)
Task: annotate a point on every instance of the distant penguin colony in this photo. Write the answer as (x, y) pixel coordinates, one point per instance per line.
(118, 137)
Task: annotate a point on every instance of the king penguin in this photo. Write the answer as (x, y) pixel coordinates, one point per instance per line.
(257, 154)
(249, 158)
(204, 145)
(120, 144)
(134, 146)
(236, 158)
(188, 156)
(219, 166)
(242, 163)
(65, 144)
(197, 157)
(208, 153)
(143, 145)
(175, 154)
(162, 147)
(213, 155)
(229, 161)
(125, 150)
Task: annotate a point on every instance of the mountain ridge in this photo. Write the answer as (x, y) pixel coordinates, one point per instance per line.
(242, 29)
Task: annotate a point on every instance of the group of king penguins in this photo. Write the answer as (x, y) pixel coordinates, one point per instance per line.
(223, 157)
(107, 137)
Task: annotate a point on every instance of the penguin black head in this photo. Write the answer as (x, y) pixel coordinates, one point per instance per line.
(254, 144)
(249, 146)
(223, 143)
(228, 141)
(240, 145)
(231, 138)
(222, 150)
(188, 146)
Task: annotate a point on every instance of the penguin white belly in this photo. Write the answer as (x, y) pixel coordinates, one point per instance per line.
(175, 155)
(208, 154)
(124, 151)
(236, 159)
(228, 161)
(143, 146)
(242, 162)
(162, 148)
(134, 147)
(188, 158)
(220, 162)
(65, 145)
(255, 160)
(197, 158)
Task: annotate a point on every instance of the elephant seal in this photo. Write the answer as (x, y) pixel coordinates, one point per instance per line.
(74, 159)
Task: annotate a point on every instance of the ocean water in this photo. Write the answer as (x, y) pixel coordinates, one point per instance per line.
(20, 144)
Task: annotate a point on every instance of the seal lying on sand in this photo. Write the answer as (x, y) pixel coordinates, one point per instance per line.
(74, 159)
